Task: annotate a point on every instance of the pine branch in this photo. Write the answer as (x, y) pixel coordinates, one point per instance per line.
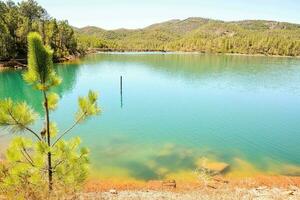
(71, 169)
(28, 160)
(22, 125)
(24, 149)
(59, 163)
(69, 129)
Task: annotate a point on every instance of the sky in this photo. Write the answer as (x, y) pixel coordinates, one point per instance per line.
(113, 14)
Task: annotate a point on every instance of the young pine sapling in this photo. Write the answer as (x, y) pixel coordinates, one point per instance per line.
(45, 159)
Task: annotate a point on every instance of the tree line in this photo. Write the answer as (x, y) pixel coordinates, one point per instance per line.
(18, 19)
(250, 37)
(279, 42)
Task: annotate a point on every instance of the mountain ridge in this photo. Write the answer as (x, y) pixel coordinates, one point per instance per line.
(190, 18)
(201, 35)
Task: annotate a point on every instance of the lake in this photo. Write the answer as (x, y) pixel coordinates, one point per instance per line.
(178, 110)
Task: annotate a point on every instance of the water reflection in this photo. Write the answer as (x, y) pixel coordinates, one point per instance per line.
(13, 86)
(252, 72)
(195, 65)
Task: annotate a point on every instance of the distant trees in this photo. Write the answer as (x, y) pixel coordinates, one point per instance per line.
(245, 37)
(17, 20)
(91, 41)
(279, 42)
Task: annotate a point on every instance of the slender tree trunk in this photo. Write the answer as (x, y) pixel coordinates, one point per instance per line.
(50, 172)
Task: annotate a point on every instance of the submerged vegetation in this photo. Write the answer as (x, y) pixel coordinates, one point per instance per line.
(201, 35)
(45, 160)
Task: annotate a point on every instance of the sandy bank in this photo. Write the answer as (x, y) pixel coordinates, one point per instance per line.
(259, 187)
(237, 193)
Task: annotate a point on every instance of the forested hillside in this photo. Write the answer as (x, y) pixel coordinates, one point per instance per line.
(202, 35)
(17, 20)
(192, 34)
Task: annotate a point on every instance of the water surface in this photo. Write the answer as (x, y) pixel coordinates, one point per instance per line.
(177, 109)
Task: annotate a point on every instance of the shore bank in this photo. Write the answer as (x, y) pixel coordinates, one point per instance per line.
(260, 187)
(22, 63)
(13, 64)
(202, 194)
(96, 50)
(96, 185)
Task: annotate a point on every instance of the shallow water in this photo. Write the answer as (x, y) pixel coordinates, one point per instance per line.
(177, 109)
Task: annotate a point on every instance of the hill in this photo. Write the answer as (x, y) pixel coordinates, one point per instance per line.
(200, 34)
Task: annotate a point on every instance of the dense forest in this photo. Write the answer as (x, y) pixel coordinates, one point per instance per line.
(201, 35)
(17, 20)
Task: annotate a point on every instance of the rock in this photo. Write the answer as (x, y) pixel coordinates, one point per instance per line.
(113, 191)
(290, 170)
(289, 193)
(261, 188)
(169, 183)
(220, 180)
(212, 186)
(294, 188)
(213, 166)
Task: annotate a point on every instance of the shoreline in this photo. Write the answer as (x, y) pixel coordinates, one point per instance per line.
(200, 194)
(270, 187)
(216, 182)
(95, 51)
(22, 63)
(19, 64)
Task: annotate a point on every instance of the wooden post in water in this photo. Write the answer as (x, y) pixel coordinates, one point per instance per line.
(121, 90)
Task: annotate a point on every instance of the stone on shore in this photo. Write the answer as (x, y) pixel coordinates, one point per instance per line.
(113, 191)
(169, 183)
(213, 166)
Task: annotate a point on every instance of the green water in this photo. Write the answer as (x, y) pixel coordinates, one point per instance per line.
(177, 109)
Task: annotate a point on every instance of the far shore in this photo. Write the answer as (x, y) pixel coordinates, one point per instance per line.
(93, 51)
(22, 63)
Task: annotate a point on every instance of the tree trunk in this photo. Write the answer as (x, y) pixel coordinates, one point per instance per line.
(50, 172)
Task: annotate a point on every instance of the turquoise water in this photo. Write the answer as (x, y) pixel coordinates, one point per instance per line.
(177, 109)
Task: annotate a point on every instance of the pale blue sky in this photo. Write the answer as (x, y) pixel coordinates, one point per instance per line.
(112, 14)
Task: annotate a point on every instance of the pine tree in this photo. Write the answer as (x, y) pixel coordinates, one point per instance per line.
(30, 161)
